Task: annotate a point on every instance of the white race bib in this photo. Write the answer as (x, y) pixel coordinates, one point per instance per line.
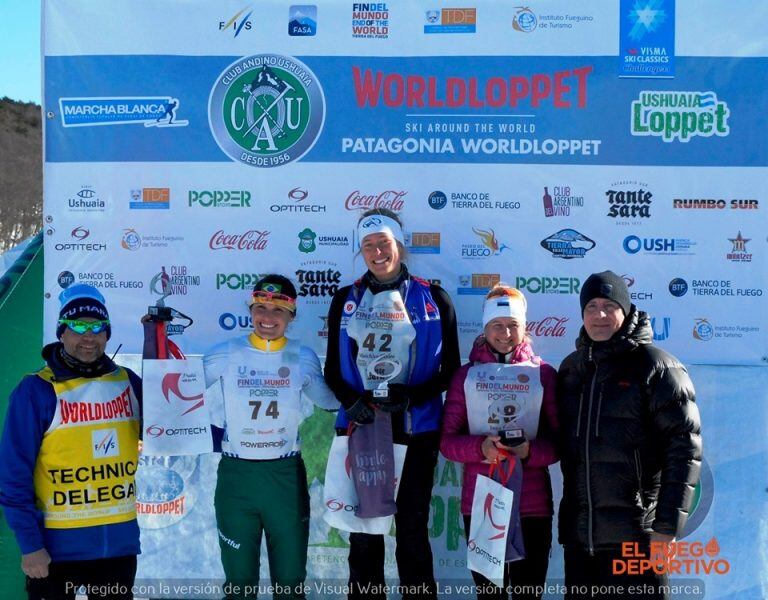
(384, 334)
(501, 397)
(262, 401)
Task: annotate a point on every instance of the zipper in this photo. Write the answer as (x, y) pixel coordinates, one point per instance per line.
(586, 450)
(599, 408)
(578, 420)
(638, 470)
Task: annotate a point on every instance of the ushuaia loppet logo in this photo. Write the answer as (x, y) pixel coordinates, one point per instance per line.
(679, 115)
(266, 110)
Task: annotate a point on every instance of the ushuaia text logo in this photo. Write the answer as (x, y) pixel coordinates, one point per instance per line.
(679, 115)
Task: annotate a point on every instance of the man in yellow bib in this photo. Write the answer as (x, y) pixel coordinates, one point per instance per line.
(70, 451)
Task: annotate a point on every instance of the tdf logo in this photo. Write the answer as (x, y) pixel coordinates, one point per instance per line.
(266, 110)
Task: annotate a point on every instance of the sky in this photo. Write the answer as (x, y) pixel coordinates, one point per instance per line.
(20, 44)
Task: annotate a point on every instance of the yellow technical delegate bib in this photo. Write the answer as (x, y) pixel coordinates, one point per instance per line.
(84, 475)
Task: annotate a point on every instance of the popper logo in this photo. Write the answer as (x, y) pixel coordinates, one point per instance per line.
(679, 115)
(266, 110)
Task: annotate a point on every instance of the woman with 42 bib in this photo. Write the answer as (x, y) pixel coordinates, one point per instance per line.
(389, 317)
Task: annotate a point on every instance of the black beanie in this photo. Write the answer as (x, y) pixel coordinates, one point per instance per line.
(606, 285)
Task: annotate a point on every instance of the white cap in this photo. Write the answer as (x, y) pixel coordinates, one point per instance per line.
(504, 306)
(379, 224)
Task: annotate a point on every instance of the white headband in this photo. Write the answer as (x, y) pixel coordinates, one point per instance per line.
(380, 224)
(503, 306)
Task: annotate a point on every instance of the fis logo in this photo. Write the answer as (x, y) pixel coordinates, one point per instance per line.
(238, 22)
(105, 443)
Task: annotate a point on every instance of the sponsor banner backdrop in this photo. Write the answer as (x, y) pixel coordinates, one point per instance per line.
(187, 152)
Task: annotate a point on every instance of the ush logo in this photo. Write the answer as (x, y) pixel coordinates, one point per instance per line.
(236, 23)
(105, 443)
(171, 383)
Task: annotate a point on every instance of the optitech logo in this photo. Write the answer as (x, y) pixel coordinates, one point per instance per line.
(266, 110)
(105, 443)
(679, 115)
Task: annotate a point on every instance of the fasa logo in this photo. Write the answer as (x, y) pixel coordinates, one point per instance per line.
(679, 115)
(678, 287)
(302, 20)
(105, 443)
(266, 110)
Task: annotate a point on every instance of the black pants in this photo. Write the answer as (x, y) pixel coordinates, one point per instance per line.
(413, 553)
(105, 578)
(524, 578)
(591, 577)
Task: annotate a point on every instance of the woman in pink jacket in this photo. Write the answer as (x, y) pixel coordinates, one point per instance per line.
(479, 407)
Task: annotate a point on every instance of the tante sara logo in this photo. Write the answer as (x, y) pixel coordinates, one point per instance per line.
(266, 110)
(679, 115)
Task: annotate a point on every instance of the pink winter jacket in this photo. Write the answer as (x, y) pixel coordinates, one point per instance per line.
(458, 445)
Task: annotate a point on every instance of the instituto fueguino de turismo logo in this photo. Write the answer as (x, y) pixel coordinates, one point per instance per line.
(266, 110)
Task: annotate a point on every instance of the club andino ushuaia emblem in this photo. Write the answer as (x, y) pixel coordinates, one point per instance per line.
(266, 110)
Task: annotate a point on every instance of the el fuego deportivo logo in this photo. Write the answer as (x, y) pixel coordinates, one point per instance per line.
(266, 110)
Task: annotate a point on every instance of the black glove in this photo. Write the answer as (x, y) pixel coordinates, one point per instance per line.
(360, 412)
(397, 400)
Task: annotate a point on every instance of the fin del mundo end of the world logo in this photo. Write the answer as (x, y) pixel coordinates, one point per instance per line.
(266, 110)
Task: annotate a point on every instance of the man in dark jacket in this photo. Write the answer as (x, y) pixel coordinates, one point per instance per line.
(631, 445)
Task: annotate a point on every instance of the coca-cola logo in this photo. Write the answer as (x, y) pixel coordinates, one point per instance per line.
(391, 199)
(250, 240)
(547, 327)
